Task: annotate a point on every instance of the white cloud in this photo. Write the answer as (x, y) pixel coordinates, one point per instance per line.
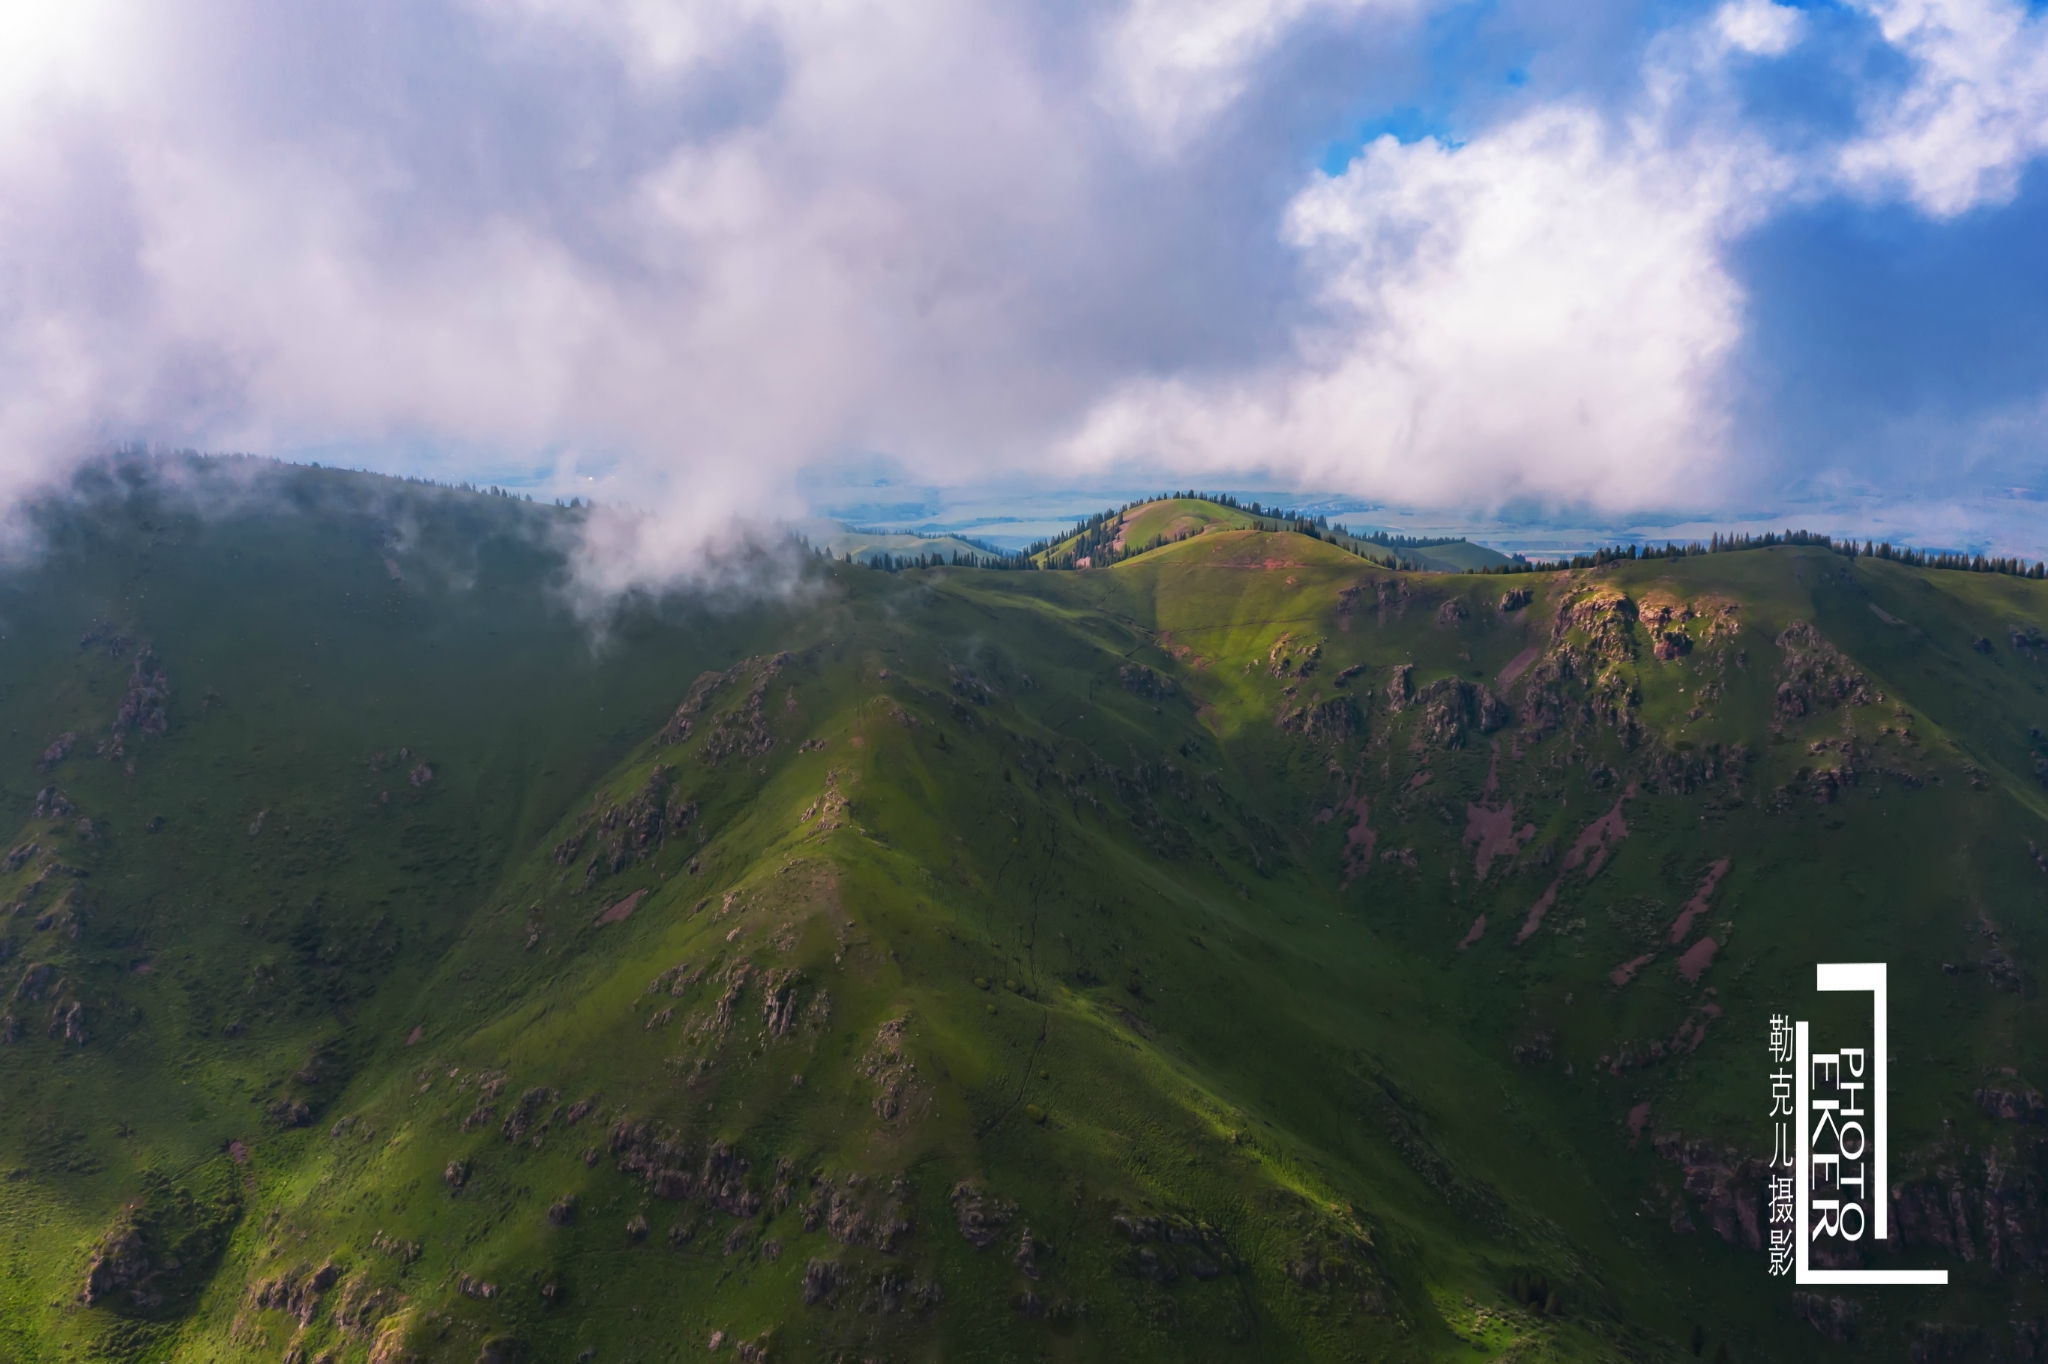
(1539, 313)
(1759, 27)
(686, 253)
(1973, 112)
(1169, 66)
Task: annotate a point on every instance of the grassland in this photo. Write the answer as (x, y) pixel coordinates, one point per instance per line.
(1124, 964)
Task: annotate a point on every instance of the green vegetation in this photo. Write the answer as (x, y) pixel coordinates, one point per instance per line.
(1246, 951)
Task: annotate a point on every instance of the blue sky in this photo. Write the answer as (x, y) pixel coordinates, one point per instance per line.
(1564, 269)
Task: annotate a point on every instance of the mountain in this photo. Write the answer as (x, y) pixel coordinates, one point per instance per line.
(1244, 952)
(1114, 536)
(865, 546)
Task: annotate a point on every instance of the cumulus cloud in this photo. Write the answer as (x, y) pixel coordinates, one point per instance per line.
(1540, 313)
(1171, 66)
(679, 255)
(1972, 112)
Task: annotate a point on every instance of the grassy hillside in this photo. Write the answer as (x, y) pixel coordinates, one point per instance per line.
(1245, 952)
(1144, 527)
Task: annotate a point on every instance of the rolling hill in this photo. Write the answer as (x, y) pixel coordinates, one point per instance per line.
(1113, 536)
(1243, 952)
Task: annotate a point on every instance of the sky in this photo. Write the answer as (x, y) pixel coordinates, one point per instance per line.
(1529, 264)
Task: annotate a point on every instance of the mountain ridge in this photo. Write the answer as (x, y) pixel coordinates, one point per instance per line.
(1159, 947)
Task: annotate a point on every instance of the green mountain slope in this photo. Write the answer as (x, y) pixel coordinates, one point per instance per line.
(1244, 952)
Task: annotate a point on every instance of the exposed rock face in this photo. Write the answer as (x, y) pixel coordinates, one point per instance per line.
(1728, 1188)
(1452, 614)
(119, 1263)
(779, 1001)
(1029, 1250)
(892, 1071)
(1400, 687)
(980, 1214)
(296, 1293)
(853, 1215)
(665, 1164)
(2023, 1106)
(1816, 676)
(525, 1111)
(739, 732)
(1670, 645)
(632, 831)
(59, 749)
(34, 982)
(144, 708)
(1834, 1318)
(1514, 600)
(1450, 708)
(821, 1281)
(1337, 718)
(1139, 680)
(1599, 622)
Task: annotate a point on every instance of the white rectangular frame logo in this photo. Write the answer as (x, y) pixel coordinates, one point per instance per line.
(1834, 976)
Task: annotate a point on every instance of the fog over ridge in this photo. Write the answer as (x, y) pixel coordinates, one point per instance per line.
(694, 261)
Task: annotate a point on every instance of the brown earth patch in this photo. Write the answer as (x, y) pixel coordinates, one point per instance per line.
(1599, 839)
(1697, 905)
(1536, 913)
(1477, 931)
(1626, 972)
(622, 910)
(1358, 843)
(1519, 664)
(1697, 959)
(1495, 834)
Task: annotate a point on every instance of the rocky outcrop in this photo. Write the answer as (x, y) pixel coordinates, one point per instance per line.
(778, 1001)
(1671, 645)
(525, 1112)
(1400, 687)
(854, 1214)
(1727, 1187)
(1141, 681)
(893, 1073)
(1816, 676)
(296, 1293)
(980, 1215)
(58, 750)
(1833, 1317)
(667, 1165)
(120, 1262)
(145, 706)
(2025, 1105)
(1337, 718)
(632, 830)
(820, 1282)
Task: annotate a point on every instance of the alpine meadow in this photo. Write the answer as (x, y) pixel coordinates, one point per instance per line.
(1252, 942)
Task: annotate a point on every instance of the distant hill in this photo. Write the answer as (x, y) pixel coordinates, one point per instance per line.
(867, 545)
(1245, 951)
(1118, 534)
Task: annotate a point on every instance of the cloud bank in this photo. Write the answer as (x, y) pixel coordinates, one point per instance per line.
(684, 257)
